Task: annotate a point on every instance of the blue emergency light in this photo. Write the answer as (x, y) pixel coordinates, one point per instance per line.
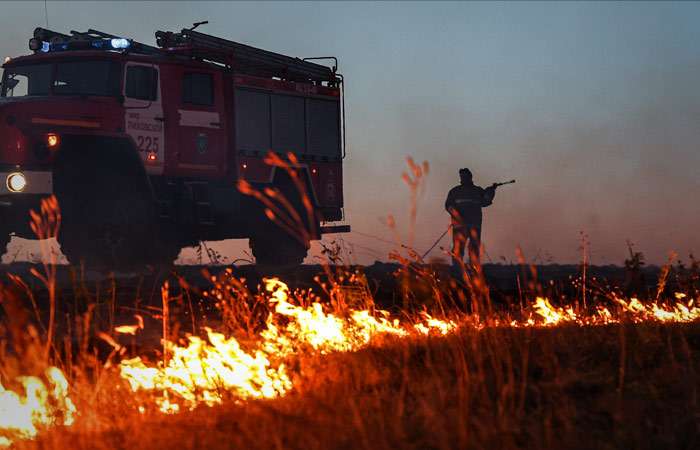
(120, 43)
(37, 45)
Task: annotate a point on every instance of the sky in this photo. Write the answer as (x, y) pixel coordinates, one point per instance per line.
(594, 108)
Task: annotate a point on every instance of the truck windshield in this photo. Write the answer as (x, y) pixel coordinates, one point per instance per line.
(27, 80)
(65, 78)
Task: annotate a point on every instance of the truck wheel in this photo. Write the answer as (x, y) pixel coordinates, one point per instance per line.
(166, 247)
(109, 225)
(126, 239)
(107, 208)
(104, 230)
(278, 250)
(270, 244)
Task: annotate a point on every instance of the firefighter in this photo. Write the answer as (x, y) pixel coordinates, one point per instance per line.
(464, 203)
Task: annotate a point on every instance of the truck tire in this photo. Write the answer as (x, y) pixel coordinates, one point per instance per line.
(104, 228)
(278, 250)
(127, 238)
(166, 246)
(270, 244)
(108, 213)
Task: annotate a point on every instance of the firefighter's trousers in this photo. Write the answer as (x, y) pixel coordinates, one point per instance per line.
(466, 236)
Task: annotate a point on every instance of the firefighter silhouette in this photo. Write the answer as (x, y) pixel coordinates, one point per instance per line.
(464, 203)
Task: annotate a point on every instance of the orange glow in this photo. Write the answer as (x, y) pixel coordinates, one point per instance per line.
(200, 372)
(204, 371)
(210, 369)
(41, 404)
(679, 311)
(151, 156)
(52, 140)
(131, 329)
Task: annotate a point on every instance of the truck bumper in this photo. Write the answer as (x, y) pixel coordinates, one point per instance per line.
(14, 213)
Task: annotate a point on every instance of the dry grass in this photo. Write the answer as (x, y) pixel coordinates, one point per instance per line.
(619, 386)
(626, 385)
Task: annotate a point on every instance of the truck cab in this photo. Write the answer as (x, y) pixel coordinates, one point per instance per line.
(144, 147)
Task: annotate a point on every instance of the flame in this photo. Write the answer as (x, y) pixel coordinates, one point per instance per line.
(127, 329)
(131, 329)
(204, 371)
(201, 371)
(432, 324)
(552, 315)
(209, 370)
(633, 310)
(678, 312)
(23, 415)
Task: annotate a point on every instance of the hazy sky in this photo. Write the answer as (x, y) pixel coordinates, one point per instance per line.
(593, 107)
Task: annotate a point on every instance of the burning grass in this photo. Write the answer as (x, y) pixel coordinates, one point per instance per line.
(301, 370)
(630, 386)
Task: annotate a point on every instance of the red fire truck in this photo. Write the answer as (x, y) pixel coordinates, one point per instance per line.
(143, 145)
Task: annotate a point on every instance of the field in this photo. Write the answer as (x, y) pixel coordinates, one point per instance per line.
(504, 357)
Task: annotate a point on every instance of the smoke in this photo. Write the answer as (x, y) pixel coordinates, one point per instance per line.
(593, 108)
(621, 166)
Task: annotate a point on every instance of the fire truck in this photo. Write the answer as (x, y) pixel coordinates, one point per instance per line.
(144, 146)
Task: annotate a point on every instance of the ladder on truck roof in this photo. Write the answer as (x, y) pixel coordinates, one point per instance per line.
(244, 58)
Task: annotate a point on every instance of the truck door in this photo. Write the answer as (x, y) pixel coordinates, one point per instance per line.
(144, 113)
(201, 124)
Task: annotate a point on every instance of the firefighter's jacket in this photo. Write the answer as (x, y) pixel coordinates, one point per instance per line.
(464, 203)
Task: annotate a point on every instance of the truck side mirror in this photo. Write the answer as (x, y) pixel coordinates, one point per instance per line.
(10, 84)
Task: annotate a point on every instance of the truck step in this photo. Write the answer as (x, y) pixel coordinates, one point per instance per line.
(331, 229)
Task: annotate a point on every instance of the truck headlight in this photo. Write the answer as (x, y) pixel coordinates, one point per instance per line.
(16, 182)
